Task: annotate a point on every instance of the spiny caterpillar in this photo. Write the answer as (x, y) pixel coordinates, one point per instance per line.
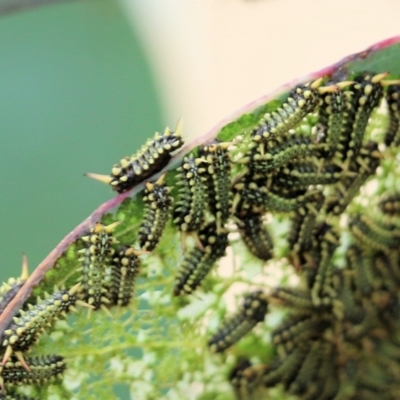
(302, 100)
(198, 262)
(25, 329)
(124, 270)
(10, 288)
(390, 204)
(253, 310)
(42, 370)
(150, 159)
(256, 236)
(96, 258)
(218, 180)
(190, 208)
(157, 200)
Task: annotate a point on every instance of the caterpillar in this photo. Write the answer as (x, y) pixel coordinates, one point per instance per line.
(392, 135)
(96, 258)
(303, 222)
(299, 299)
(374, 234)
(9, 289)
(365, 96)
(124, 269)
(157, 200)
(302, 100)
(281, 151)
(218, 180)
(42, 370)
(303, 174)
(256, 236)
(365, 165)
(198, 262)
(360, 263)
(242, 379)
(253, 310)
(150, 159)
(330, 119)
(25, 329)
(390, 204)
(189, 211)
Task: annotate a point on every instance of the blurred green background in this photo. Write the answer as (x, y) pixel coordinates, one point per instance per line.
(76, 96)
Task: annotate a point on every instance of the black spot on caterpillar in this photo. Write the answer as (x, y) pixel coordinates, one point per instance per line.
(9, 289)
(124, 270)
(302, 100)
(157, 200)
(252, 311)
(190, 207)
(392, 135)
(96, 258)
(42, 370)
(150, 159)
(390, 204)
(25, 329)
(255, 235)
(218, 180)
(198, 262)
(374, 234)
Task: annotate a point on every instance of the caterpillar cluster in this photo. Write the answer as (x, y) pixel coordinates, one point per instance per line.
(338, 320)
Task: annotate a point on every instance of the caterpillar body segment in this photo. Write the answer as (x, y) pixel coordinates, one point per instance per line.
(392, 135)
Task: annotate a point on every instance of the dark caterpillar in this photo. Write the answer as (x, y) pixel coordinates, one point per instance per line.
(42, 370)
(190, 207)
(96, 258)
(306, 173)
(374, 234)
(302, 100)
(9, 289)
(25, 329)
(198, 262)
(253, 310)
(365, 96)
(256, 236)
(150, 159)
(124, 269)
(303, 222)
(365, 165)
(218, 180)
(392, 135)
(280, 151)
(330, 119)
(157, 200)
(360, 263)
(390, 204)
